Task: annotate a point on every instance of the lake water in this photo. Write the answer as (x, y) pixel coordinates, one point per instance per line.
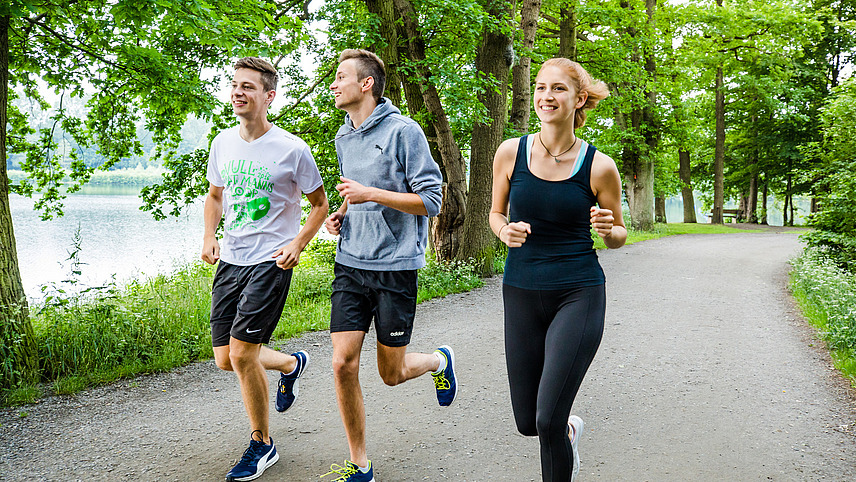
(675, 210)
(119, 239)
(116, 238)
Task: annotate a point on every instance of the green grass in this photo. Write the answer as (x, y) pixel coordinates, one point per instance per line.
(23, 395)
(159, 323)
(826, 294)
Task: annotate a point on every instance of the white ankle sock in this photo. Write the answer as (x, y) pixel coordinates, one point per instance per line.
(442, 363)
(292, 372)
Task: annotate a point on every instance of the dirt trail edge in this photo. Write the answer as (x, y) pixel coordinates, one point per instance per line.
(706, 372)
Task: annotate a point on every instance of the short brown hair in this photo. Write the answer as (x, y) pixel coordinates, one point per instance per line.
(368, 65)
(269, 76)
(583, 82)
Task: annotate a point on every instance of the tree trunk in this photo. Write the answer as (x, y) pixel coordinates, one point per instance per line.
(763, 218)
(17, 341)
(415, 107)
(492, 61)
(752, 204)
(415, 102)
(785, 212)
(568, 30)
(685, 174)
(636, 157)
(789, 205)
(521, 95)
(660, 209)
(640, 189)
(719, 152)
(448, 226)
(752, 200)
(792, 211)
(388, 52)
(719, 146)
(648, 127)
(638, 174)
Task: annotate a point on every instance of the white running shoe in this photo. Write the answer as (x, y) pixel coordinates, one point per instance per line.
(577, 425)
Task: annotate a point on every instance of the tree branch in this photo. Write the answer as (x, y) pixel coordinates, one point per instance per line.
(79, 48)
(308, 91)
(549, 17)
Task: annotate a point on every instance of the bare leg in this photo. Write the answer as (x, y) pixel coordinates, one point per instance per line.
(274, 360)
(244, 359)
(347, 346)
(270, 359)
(396, 366)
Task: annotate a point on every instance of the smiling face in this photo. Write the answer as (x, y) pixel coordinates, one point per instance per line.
(249, 98)
(556, 98)
(348, 89)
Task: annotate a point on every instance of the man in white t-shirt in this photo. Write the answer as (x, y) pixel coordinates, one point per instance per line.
(256, 174)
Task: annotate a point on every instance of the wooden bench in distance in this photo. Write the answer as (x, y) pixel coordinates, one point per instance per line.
(733, 214)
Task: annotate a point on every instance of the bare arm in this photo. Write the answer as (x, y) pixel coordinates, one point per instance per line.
(212, 214)
(356, 193)
(512, 234)
(289, 256)
(607, 219)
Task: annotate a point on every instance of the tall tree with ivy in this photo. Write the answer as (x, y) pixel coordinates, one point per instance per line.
(139, 63)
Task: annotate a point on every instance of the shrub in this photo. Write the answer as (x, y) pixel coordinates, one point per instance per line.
(827, 294)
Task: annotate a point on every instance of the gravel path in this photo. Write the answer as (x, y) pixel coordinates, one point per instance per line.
(706, 372)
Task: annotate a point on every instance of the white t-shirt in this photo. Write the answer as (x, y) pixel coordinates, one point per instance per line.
(262, 182)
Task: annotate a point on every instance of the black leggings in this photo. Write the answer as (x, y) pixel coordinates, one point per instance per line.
(551, 337)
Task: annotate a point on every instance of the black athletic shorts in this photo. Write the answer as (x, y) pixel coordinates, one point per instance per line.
(247, 301)
(387, 296)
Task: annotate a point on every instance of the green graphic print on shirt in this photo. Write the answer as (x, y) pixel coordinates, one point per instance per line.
(249, 187)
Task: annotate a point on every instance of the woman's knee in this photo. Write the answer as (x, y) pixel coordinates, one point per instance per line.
(546, 424)
(526, 426)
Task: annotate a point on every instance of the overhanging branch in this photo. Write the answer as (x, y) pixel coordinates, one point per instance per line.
(305, 94)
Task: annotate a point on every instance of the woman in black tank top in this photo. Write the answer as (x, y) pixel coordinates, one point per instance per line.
(549, 190)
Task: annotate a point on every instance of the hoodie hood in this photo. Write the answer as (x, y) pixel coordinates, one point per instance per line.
(382, 110)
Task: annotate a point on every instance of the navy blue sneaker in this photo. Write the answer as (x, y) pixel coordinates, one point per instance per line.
(350, 473)
(445, 382)
(289, 384)
(257, 458)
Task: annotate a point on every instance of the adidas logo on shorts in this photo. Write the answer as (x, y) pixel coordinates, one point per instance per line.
(396, 333)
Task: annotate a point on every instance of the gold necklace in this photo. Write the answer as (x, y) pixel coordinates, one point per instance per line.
(556, 158)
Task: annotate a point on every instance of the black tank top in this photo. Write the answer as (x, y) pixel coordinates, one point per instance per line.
(559, 253)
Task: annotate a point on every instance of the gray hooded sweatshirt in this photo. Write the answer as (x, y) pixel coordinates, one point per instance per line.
(388, 151)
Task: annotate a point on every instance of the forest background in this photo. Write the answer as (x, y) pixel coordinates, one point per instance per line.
(735, 100)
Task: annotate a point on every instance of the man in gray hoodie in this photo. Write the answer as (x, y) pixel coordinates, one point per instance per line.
(390, 185)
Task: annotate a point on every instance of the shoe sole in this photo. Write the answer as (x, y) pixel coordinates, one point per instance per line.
(457, 385)
(258, 474)
(295, 389)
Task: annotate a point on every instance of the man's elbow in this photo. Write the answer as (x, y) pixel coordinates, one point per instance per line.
(432, 203)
